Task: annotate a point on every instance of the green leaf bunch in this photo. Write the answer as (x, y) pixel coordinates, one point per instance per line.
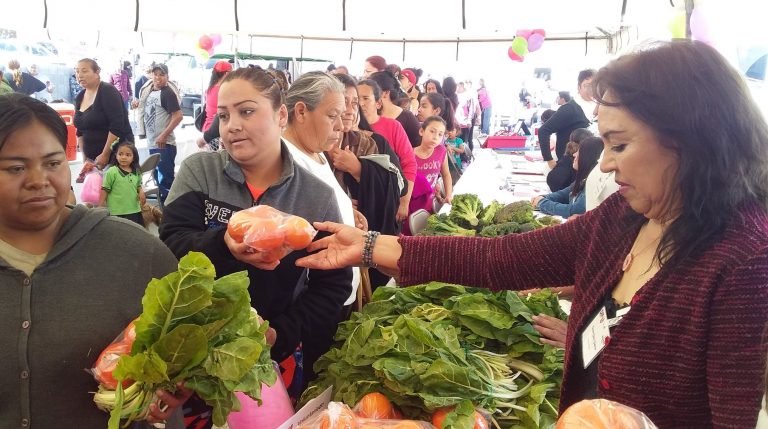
(438, 345)
(196, 329)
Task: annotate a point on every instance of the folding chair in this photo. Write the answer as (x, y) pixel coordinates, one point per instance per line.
(149, 177)
(417, 221)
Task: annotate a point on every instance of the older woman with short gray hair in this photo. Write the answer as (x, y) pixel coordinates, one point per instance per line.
(315, 105)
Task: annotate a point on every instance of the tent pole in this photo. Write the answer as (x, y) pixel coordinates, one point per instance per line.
(237, 19)
(464, 14)
(351, 43)
(403, 49)
(457, 49)
(688, 11)
(45, 17)
(136, 22)
(343, 15)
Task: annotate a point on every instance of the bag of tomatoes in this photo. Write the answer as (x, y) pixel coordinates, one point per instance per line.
(107, 361)
(269, 230)
(603, 414)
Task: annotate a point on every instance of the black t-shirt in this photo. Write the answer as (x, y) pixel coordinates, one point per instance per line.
(411, 126)
(106, 114)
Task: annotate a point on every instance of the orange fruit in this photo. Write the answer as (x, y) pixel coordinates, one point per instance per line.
(344, 419)
(264, 211)
(263, 234)
(238, 225)
(375, 406)
(298, 232)
(439, 416)
(408, 424)
(600, 414)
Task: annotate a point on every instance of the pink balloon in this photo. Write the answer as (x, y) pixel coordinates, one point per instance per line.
(523, 33)
(539, 31)
(513, 55)
(216, 39)
(209, 50)
(535, 41)
(205, 42)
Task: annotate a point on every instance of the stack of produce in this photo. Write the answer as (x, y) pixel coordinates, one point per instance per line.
(468, 217)
(438, 345)
(193, 328)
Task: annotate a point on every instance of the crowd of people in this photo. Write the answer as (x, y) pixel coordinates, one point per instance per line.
(681, 243)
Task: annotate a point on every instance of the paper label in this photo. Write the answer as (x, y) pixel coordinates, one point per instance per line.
(307, 411)
(594, 337)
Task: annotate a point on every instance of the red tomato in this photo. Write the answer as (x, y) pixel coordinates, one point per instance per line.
(263, 234)
(107, 362)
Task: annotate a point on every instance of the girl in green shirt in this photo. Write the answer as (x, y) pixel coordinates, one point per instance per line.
(121, 190)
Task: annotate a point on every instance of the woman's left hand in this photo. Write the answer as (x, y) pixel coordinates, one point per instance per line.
(167, 403)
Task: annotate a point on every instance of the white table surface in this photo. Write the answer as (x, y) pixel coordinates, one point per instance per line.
(503, 177)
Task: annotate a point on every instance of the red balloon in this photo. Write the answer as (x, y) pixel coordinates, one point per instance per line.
(205, 42)
(539, 31)
(513, 55)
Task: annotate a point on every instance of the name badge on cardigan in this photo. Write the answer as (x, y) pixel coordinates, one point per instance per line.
(594, 337)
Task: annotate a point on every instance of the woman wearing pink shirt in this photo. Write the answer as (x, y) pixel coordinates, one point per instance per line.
(390, 129)
(220, 70)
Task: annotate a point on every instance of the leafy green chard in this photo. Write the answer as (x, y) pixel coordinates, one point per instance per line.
(197, 329)
(438, 345)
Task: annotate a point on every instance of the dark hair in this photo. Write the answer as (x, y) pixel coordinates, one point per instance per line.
(374, 86)
(330, 68)
(388, 82)
(565, 95)
(431, 119)
(579, 134)
(18, 111)
(379, 63)
(91, 63)
(437, 84)
(545, 115)
(394, 69)
(722, 150)
(346, 80)
(445, 106)
(261, 80)
(135, 166)
(215, 76)
(449, 90)
(586, 74)
(589, 152)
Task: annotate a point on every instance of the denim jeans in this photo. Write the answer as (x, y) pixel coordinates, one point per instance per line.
(165, 169)
(485, 121)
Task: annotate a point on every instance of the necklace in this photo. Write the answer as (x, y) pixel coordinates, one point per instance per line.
(632, 255)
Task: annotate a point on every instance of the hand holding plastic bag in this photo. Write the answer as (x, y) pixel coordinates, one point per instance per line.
(92, 187)
(270, 231)
(603, 414)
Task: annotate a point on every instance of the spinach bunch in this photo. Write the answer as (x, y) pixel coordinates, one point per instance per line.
(436, 345)
(197, 329)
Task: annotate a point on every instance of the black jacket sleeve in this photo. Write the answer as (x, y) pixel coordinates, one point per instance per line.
(213, 130)
(111, 103)
(385, 148)
(562, 175)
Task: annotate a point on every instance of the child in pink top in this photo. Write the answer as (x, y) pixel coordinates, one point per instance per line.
(432, 157)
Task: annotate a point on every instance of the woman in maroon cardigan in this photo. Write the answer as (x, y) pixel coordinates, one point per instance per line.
(684, 242)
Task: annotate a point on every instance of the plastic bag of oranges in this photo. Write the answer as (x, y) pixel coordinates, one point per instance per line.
(340, 416)
(603, 414)
(269, 230)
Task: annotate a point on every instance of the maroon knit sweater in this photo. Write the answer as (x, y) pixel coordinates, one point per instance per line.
(689, 354)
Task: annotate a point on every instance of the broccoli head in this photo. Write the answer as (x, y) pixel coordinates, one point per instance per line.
(527, 227)
(519, 211)
(465, 210)
(486, 218)
(500, 229)
(442, 225)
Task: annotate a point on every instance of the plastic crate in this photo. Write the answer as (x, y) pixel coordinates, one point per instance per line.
(493, 142)
(67, 113)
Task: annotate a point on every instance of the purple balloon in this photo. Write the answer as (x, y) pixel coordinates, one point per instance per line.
(535, 41)
(216, 39)
(700, 26)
